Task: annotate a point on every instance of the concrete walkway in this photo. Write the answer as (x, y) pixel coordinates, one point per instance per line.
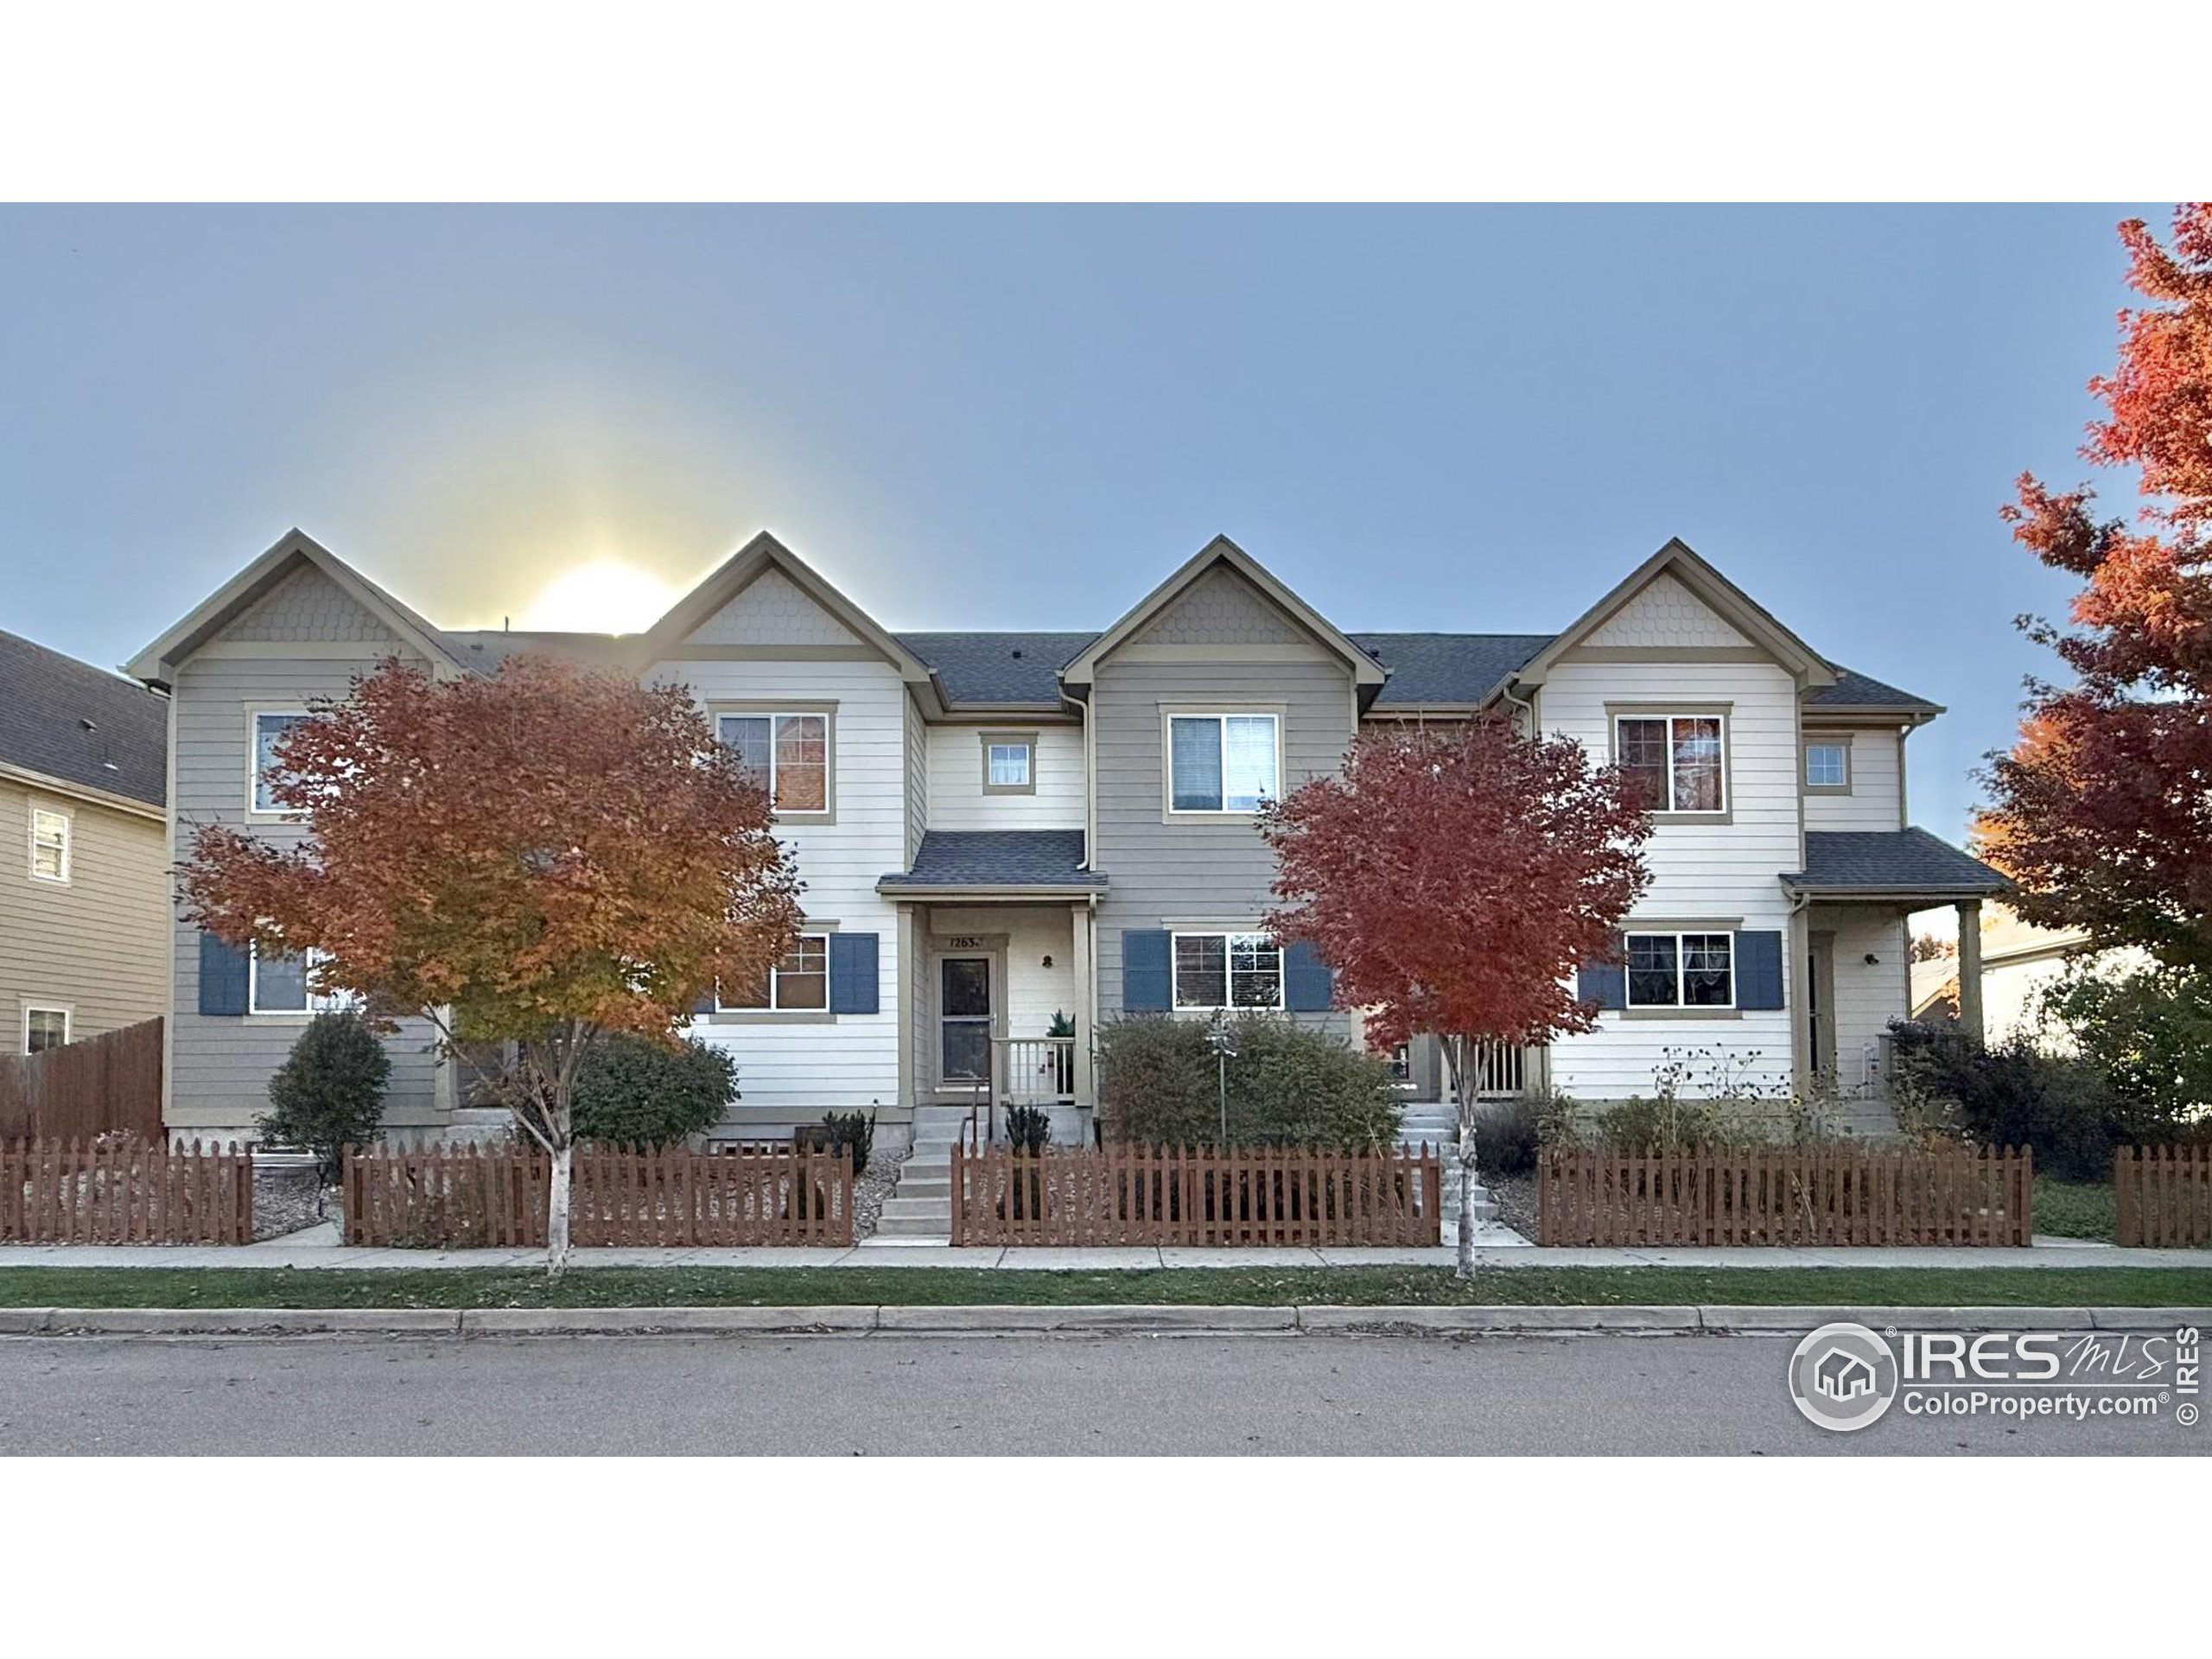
(317, 1248)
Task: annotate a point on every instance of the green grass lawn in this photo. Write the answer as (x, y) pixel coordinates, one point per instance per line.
(936, 1286)
(2065, 1209)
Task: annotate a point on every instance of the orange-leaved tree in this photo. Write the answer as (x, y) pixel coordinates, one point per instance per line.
(539, 858)
(2102, 812)
(1455, 878)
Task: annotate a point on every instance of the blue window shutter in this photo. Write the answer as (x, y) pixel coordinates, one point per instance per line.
(222, 976)
(1604, 983)
(1145, 983)
(1307, 981)
(852, 973)
(1758, 970)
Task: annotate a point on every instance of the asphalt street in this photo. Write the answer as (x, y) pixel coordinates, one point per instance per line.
(891, 1394)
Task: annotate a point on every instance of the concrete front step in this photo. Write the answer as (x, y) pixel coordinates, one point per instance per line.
(920, 1229)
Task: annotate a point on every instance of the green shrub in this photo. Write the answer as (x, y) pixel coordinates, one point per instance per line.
(631, 1092)
(852, 1132)
(1028, 1128)
(1289, 1086)
(1507, 1135)
(2151, 1033)
(328, 1094)
(2015, 1095)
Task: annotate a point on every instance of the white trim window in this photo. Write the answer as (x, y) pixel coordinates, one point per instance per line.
(1827, 765)
(44, 1027)
(50, 834)
(789, 753)
(269, 726)
(1007, 765)
(1227, 970)
(1681, 970)
(279, 984)
(797, 984)
(1681, 759)
(1221, 763)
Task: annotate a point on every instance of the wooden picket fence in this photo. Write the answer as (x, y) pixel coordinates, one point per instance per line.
(2163, 1194)
(108, 1084)
(124, 1190)
(1835, 1195)
(1083, 1198)
(462, 1197)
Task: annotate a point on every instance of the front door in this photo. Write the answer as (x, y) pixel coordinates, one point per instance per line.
(963, 1020)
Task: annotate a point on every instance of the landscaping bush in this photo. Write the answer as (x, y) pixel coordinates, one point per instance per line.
(2151, 1033)
(2016, 1094)
(1507, 1135)
(328, 1094)
(1028, 1128)
(852, 1132)
(1289, 1086)
(631, 1092)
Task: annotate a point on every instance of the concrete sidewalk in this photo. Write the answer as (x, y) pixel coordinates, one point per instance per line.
(299, 1252)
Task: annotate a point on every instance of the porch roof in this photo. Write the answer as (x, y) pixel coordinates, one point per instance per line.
(1890, 864)
(1042, 861)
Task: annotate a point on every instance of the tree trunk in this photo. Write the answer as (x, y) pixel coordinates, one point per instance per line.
(556, 1212)
(1455, 1061)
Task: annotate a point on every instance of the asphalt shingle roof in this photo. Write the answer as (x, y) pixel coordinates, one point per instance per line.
(998, 858)
(1430, 668)
(999, 667)
(487, 648)
(45, 698)
(1890, 859)
(1853, 689)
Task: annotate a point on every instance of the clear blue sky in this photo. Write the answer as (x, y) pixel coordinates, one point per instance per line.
(1421, 418)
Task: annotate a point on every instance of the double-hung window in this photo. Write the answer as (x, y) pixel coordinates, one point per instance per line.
(799, 983)
(269, 729)
(49, 845)
(1227, 970)
(789, 753)
(1221, 763)
(278, 983)
(1681, 970)
(1681, 760)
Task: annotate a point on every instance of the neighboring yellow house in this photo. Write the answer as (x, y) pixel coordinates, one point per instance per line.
(84, 850)
(2019, 962)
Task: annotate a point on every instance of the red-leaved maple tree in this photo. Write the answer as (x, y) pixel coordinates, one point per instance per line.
(1455, 878)
(540, 857)
(2103, 811)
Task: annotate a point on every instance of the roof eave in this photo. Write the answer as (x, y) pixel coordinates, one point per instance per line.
(977, 891)
(1935, 893)
(47, 783)
(1860, 713)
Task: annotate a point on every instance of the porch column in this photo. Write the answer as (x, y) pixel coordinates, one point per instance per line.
(1970, 968)
(1079, 944)
(909, 1024)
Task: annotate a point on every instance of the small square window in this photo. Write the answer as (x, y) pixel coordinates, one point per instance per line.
(1009, 765)
(45, 1028)
(49, 845)
(1828, 765)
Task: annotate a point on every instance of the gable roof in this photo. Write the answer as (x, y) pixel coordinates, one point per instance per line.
(1006, 669)
(156, 664)
(763, 553)
(1447, 669)
(1726, 600)
(81, 725)
(1218, 552)
(1862, 693)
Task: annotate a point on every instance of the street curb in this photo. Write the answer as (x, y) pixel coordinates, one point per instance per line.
(1013, 1320)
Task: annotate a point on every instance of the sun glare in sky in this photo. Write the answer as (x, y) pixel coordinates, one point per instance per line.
(605, 596)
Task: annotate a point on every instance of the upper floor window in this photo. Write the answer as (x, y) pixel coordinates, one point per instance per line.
(788, 752)
(1227, 970)
(1681, 970)
(278, 984)
(1679, 759)
(49, 844)
(1828, 765)
(1221, 763)
(800, 983)
(1009, 763)
(269, 729)
(45, 1028)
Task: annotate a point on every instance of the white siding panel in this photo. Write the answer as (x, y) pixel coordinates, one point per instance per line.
(1877, 800)
(956, 781)
(1868, 996)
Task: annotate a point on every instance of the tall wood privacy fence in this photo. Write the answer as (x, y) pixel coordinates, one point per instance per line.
(108, 1084)
(2164, 1195)
(1823, 1195)
(124, 1190)
(1133, 1195)
(438, 1197)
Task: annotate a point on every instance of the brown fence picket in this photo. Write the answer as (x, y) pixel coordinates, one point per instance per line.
(2163, 1196)
(110, 1192)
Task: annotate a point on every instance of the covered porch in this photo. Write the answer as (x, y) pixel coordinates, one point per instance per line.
(996, 933)
(1850, 939)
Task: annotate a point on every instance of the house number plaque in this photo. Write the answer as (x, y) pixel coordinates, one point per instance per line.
(964, 942)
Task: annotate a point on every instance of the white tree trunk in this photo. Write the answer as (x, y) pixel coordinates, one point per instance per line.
(556, 1211)
(1455, 1059)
